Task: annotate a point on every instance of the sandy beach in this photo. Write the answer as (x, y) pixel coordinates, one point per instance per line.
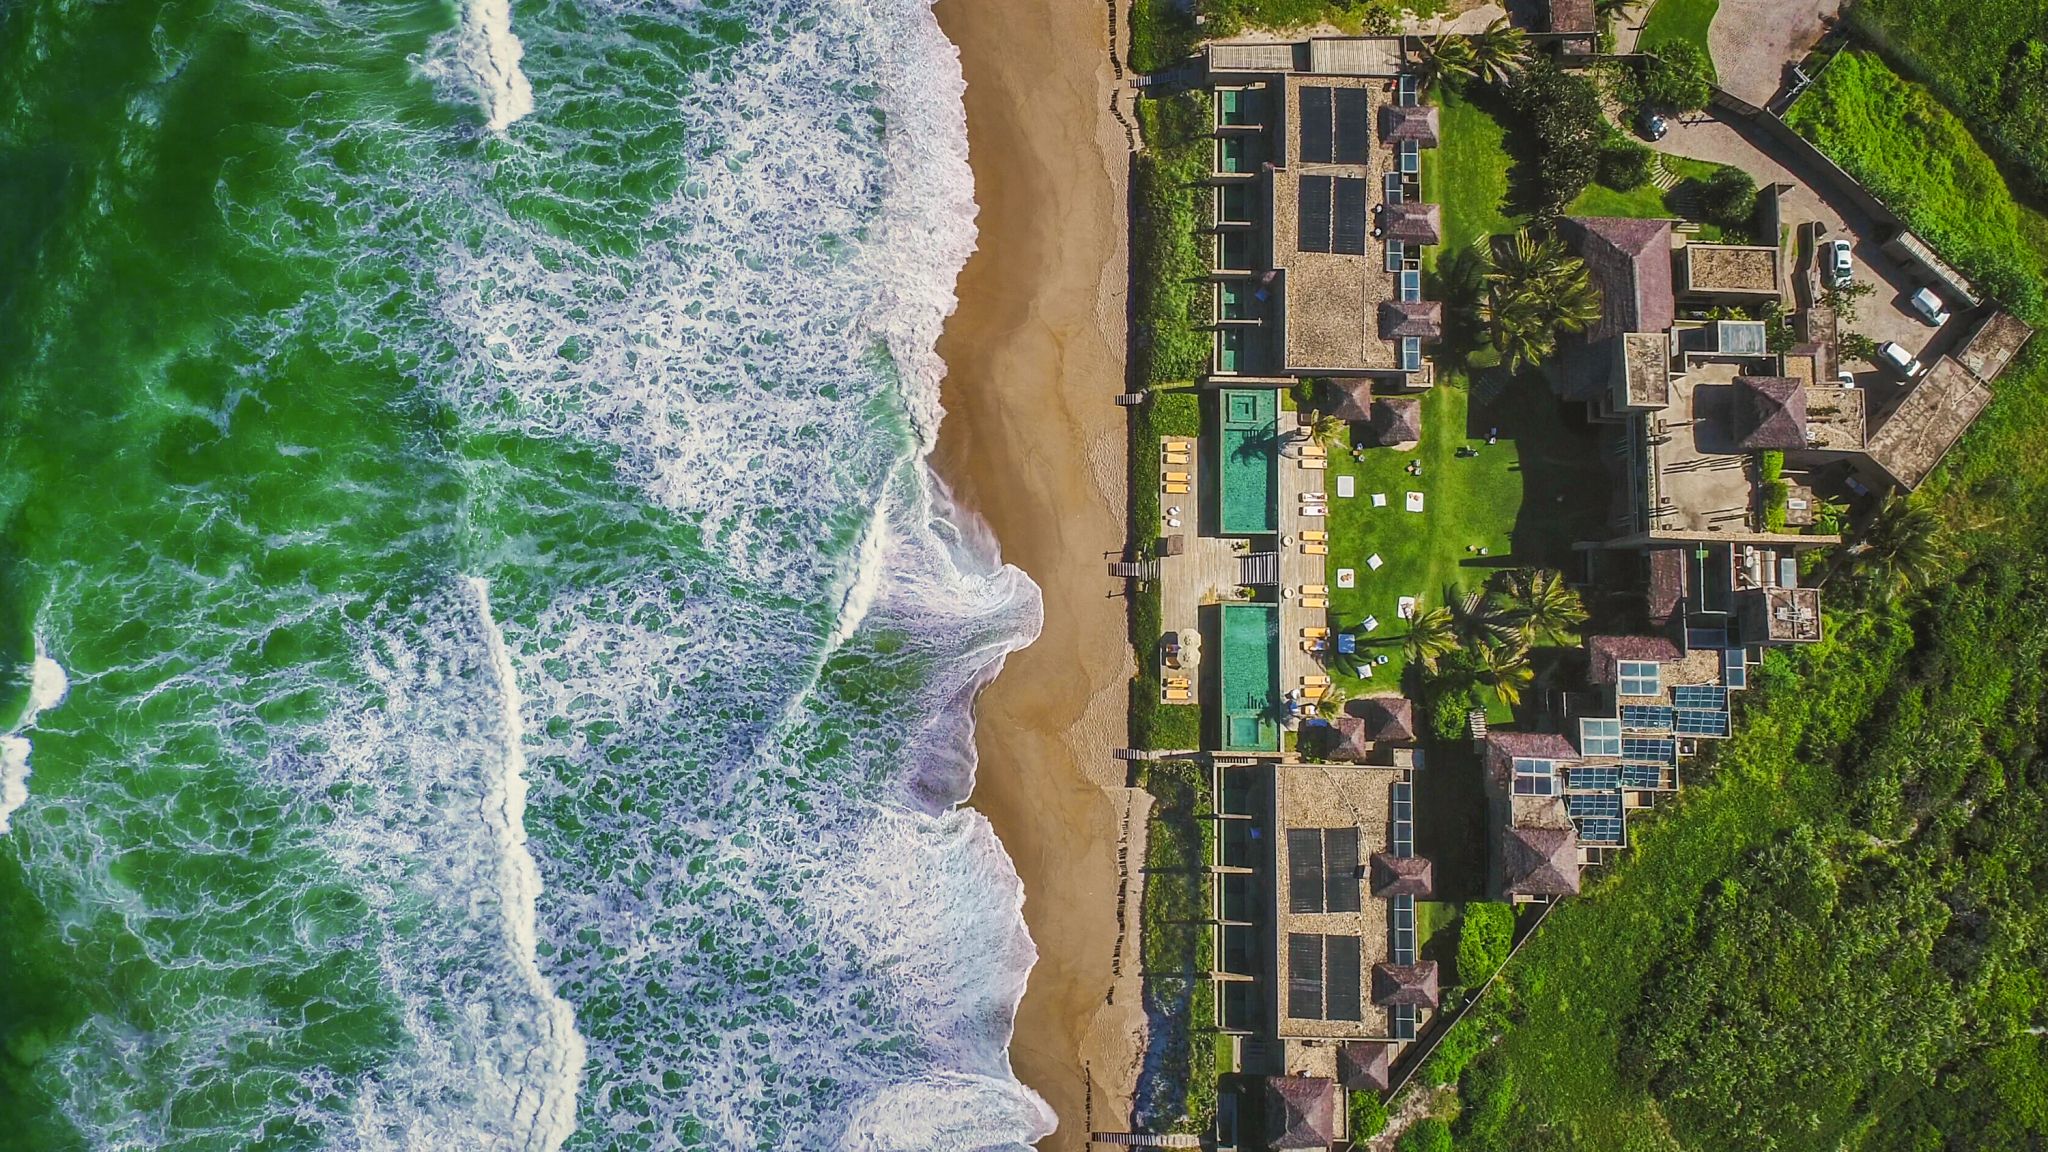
(1033, 442)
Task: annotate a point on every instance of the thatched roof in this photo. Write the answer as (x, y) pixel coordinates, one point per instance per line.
(1402, 876)
(1667, 582)
(1424, 318)
(1607, 653)
(1365, 1065)
(1417, 122)
(1413, 985)
(1396, 420)
(1348, 400)
(1301, 1112)
(1347, 739)
(1631, 262)
(1387, 717)
(1412, 222)
(1770, 412)
(1539, 861)
(1566, 16)
(1503, 747)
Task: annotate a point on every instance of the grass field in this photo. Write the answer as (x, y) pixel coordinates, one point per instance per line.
(1679, 20)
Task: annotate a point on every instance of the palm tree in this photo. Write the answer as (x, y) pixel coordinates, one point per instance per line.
(1903, 548)
(1574, 298)
(1547, 609)
(1520, 328)
(1527, 259)
(1446, 59)
(1500, 53)
(1431, 636)
(1478, 620)
(1536, 290)
(1325, 428)
(1506, 667)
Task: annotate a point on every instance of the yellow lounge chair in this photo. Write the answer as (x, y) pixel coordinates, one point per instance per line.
(1316, 680)
(1315, 589)
(1180, 697)
(1176, 455)
(1315, 536)
(1313, 465)
(1314, 602)
(1176, 477)
(1176, 489)
(1315, 549)
(1315, 633)
(1314, 450)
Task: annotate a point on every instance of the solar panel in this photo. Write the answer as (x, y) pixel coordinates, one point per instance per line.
(1599, 736)
(1411, 353)
(1402, 1016)
(1602, 779)
(1401, 929)
(1404, 819)
(1637, 750)
(1535, 777)
(1639, 678)
(1305, 976)
(1601, 830)
(1354, 126)
(1734, 668)
(1408, 89)
(1654, 717)
(1699, 638)
(1350, 216)
(1314, 200)
(1594, 804)
(1340, 865)
(1692, 722)
(1341, 964)
(1397, 254)
(1711, 697)
(1411, 285)
(1411, 157)
(1304, 870)
(1642, 776)
(1395, 194)
(1316, 144)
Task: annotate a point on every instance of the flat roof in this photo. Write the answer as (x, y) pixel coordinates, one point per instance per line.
(1346, 799)
(1993, 345)
(1248, 461)
(1250, 683)
(1743, 269)
(1260, 57)
(1928, 422)
(1699, 476)
(1646, 368)
(1835, 420)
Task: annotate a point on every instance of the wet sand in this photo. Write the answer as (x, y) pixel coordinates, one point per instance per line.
(1033, 442)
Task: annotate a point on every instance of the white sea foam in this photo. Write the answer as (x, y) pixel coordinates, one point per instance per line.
(47, 685)
(481, 58)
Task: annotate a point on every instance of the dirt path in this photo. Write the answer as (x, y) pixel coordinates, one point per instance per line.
(1756, 42)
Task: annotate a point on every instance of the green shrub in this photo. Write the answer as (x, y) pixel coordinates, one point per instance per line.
(1625, 165)
(1177, 413)
(1171, 268)
(1162, 33)
(1486, 1112)
(1470, 1036)
(1679, 76)
(1176, 726)
(1429, 1134)
(1777, 495)
(1486, 931)
(1566, 126)
(1368, 1116)
(1731, 197)
(1770, 464)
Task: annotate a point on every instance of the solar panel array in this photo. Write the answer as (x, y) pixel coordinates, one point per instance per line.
(1404, 819)
(1403, 1018)
(1734, 668)
(1601, 778)
(1708, 696)
(1315, 198)
(1653, 717)
(1350, 209)
(1594, 804)
(1691, 722)
(1305, 975)
(1317, 142)
(1599, 736)
(1304, 870)
(1601, 830)
(1341, 1000)
(1401, 928)
(1642, 750)
(1397, 255)
(1639, 678)
(1354, 126)
(1642, 776)
(1340, 865)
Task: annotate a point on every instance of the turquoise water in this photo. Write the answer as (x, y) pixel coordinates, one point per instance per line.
(493, 666)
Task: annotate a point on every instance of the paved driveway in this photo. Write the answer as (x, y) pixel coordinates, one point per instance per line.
(1756, 42)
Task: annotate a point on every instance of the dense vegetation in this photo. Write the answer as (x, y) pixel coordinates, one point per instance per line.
(1178, 1091)
(1921, 160)
(1171, 343)
(1164, 33)
(1988, 58)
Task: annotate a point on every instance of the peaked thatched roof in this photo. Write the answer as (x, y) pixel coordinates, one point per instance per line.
(1412, 222)
(1413, 985)
(1396, 420)
(1631, 262)
(1667, 582)
(1301, 1112)
(1770, 412)
(1347, 739)
(1424, 318)
(1539, 861)
(1387, 717)
(1365, 1065)
(1415, 122)
(1348, 400)
(1402, 876)
(1566, 16)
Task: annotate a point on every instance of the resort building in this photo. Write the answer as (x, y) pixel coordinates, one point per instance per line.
(1319, 223)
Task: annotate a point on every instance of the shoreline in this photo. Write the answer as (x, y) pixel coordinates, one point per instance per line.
(1033, 444)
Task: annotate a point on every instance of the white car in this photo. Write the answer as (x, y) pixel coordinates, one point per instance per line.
(1845, 378)
(1930, 307)
(1894, 356)
(1835, 259)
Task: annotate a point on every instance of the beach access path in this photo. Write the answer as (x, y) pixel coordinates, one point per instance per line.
(1033, 442)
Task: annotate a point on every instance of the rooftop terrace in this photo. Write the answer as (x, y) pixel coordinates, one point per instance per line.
(1728, 270)
(1931, 418)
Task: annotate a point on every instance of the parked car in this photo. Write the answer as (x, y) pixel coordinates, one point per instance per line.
(1845, 378)
(1894, 356)
(1835, 259)
(1930, 307)
(1653, 126)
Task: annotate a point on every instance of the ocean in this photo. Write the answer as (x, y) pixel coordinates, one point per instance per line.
(487, 663)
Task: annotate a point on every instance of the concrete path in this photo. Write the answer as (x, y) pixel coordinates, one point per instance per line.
(1756, 42)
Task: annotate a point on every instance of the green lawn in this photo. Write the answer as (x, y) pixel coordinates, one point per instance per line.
(1468, 175)
(1650, 202)
(1679, 20)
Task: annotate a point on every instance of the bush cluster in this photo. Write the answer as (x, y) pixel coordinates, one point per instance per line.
(1625, 165)
(1567, 127)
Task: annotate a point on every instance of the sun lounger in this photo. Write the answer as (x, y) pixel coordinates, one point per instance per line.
(1177, 477)
(1314, 451)
(1315, 589)
(1315, 549)
(1313, 465)
(1176, 489)
(1314, 602)
(1314, 633)
(1315, 510)
(1315, 645)
(1315, 536)
(1313, 680)
(1179, 697)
